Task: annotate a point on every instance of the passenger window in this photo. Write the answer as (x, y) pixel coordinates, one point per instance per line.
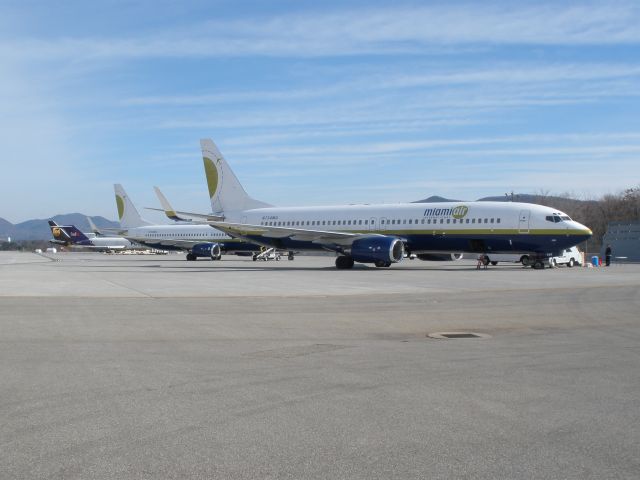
(441, 220)
(497, 220)
(366, 222)
(359, 222)
(492, 220)
(473, 220)
(448, 220)
(486, 220)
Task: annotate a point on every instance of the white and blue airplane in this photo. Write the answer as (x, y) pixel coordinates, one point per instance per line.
(197, 239)
(382, 234)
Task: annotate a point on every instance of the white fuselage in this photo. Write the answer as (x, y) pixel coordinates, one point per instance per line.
(159, 233)
(431, 227)
(110, 242)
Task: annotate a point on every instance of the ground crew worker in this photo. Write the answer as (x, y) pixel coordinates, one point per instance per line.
(607, 255)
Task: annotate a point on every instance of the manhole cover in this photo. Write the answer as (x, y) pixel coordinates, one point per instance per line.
(453, 335)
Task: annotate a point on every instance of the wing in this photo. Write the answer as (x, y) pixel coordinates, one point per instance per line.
(196, 218)
(327, 238)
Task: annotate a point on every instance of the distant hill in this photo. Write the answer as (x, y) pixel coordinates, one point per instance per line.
(549, 200)
(434, 199)
(39, 229)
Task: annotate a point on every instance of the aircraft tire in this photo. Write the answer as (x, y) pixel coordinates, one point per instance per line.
(381, 264)
(344, 262)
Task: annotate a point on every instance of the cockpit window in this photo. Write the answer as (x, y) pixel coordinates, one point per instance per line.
(565, 217)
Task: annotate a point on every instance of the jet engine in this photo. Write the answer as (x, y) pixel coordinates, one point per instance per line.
(439, 257)
(378, 250)
(207, 250)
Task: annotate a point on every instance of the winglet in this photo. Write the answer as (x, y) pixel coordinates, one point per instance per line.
(93, 227)
(167, 208)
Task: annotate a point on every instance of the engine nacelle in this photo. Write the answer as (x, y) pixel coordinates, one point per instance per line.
(207, 250)
(439, 257)
(377, 249)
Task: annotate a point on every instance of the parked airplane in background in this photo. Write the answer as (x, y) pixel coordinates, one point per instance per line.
(381, 234)
(69, 235)
(198, 240)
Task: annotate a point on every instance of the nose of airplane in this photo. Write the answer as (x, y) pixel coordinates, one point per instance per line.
(583, 230)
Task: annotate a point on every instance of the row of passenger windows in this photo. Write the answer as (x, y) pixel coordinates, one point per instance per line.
(383, 221)
(178, 236)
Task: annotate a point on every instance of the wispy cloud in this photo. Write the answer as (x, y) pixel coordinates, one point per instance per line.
(390, 30)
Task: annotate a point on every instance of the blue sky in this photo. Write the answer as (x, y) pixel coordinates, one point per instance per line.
(315, 102)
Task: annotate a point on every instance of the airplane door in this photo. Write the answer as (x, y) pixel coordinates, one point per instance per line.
(523, 223)
(372, 225)
(244, 220)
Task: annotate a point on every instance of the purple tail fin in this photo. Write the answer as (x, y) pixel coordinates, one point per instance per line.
(69, 233)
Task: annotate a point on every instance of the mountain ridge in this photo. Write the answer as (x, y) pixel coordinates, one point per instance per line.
(38, 229)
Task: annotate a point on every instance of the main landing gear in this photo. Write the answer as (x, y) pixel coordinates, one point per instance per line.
(344, 262)
(191, 257)
(290, 256)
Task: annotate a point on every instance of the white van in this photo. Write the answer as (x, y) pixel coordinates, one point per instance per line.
(569, 257)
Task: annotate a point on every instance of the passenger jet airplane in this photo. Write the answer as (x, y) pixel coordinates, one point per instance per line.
(198, 240)
(382, 234)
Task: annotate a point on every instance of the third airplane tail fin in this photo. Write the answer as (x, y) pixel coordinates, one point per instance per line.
(127, 212)
(225, 191)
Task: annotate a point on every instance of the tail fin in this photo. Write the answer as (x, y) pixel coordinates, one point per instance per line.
(225, 191)
(59, 235)
(68, 234)
(93, 227)
(127, 212)
(168, 209)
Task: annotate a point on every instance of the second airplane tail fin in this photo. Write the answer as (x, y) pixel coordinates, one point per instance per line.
(225, 191)
(127, 212)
